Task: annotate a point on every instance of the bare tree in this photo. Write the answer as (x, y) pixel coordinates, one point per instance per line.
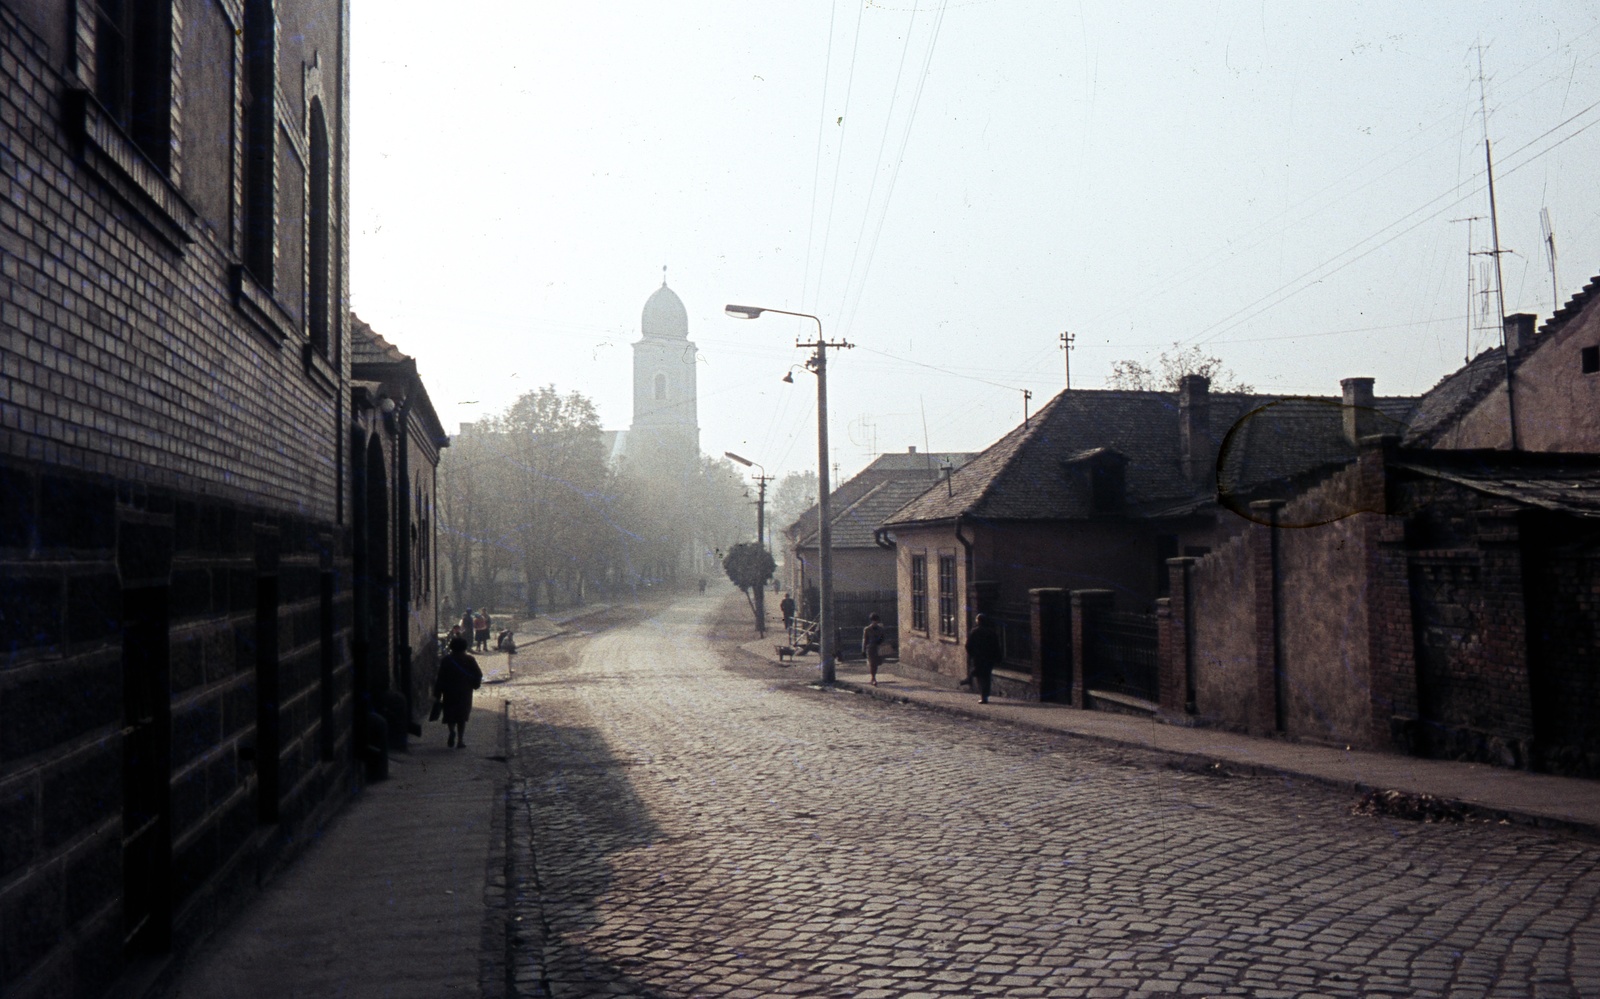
(1170, 367)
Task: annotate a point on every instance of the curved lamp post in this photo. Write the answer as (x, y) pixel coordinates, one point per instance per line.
(819, 366)
(761, 528)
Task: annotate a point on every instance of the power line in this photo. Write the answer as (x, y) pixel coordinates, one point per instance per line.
(1322, 270)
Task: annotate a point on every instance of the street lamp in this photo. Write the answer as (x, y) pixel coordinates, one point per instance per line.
(762, 478)
(761, 531)
(819, 365)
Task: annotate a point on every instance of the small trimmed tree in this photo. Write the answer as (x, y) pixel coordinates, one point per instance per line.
(750, 565)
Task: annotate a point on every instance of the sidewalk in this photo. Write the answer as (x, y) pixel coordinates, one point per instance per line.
(393, 900)
(390, 901)
(1491, 792)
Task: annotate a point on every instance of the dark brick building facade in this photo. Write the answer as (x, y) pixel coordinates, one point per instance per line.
(188, 509)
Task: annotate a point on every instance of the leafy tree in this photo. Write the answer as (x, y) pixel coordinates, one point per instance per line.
(750, 565)
(1171, 366)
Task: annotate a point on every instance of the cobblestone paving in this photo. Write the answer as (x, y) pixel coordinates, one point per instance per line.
(704, 827)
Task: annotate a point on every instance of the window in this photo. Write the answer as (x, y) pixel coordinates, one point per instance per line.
(320, 225)
(661, 386)
(260, 148)
(133, 72)
(947, 595)
(1106, 486)
(919, 592)
(1590, 359)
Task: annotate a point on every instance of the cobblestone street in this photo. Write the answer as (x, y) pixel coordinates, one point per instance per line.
(701, 825)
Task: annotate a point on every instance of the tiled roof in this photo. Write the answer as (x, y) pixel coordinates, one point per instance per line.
(1574, 306)
(1456, 394)
(856, 525)
(912, 466)
(1461, 390)
(1280, 440)
(1026, 475)
(367, 345)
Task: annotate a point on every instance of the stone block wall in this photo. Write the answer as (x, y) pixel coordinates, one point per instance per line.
(1222, 608)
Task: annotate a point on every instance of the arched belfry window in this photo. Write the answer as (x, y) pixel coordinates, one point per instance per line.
(661, 386)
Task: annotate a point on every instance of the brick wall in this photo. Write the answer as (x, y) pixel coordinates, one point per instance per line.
(172, 549)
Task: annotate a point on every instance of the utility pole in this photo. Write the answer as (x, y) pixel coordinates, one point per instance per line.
(1026, 395)
(1067, 340)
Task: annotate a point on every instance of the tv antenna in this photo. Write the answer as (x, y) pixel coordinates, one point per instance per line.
(1472, 291)
(1550, 253)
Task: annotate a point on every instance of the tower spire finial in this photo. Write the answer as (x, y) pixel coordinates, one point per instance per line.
(663, 275)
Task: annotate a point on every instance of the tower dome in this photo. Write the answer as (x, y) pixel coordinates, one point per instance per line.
(664, 315)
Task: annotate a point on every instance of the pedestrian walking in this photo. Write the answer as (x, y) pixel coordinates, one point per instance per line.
(983, 655)
(872, 637)
(480, 630)
(787, 606)
(458, 677)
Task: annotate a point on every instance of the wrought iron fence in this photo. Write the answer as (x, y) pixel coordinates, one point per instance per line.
(1122, 654)
(1016, 636)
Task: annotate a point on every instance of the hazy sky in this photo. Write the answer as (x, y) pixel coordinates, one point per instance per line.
(950, 186)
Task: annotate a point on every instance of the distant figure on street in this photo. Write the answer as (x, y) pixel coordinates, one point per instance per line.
(506, 642)
(480, 630)
(983, 655)
(466, 625)
(458, 677)
(787, 606)
(872, 637)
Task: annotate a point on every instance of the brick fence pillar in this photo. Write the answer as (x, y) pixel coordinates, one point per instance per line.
(1085, 604)
(1177, 680)
(1271, 710)
(1051, 618)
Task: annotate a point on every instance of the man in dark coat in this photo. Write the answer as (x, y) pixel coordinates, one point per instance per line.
(459, 676)
(983, 655)
(787, 606)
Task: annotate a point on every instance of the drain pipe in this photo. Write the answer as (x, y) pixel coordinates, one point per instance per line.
(969, 589)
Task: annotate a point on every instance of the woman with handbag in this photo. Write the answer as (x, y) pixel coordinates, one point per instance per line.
(458, 677)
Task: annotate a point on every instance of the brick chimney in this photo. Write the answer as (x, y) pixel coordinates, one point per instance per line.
(1360, 418)
(911, 449)
(1519, 332)
(1194, 430)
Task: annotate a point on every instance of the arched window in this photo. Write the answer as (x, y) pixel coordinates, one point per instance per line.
(661, 386)
(320, 227)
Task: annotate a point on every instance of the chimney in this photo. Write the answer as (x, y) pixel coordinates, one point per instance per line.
(1194, 429)
(1519, 332)
(911, 449)
(1360, 418)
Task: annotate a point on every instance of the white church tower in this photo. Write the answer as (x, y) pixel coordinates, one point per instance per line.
(665, 437)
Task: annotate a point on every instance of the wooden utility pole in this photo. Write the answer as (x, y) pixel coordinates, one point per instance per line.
(1067, 340)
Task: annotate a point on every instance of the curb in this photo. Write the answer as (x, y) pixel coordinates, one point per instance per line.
(1195, 762)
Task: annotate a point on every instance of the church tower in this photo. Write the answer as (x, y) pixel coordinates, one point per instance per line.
(665, 436)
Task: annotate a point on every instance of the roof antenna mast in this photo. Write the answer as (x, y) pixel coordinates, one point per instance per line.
(1499, 279)
(1550, 252)
(1067, 340)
